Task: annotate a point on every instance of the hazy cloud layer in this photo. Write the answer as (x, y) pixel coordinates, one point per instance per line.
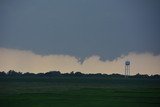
(27, 61)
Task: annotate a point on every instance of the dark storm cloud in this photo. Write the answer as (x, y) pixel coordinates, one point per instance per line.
(108, 28)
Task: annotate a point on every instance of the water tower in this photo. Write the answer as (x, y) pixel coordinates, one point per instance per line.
(127, 68)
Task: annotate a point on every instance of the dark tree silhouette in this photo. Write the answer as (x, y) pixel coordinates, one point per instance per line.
(3, 73)
(78, 74)
(12, 73)
(29, 74)
(53, 73)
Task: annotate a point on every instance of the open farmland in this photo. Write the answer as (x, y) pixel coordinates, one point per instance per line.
(79, 92)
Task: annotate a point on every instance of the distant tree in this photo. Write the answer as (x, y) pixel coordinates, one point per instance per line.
(65, 74)
(145, 76)
(14, 73)
(117, 75)
(40, 74)
(53, 73)
(98, 75)
(155, 76)
(141, 76)
(2, 74)
(72, 73)
(29, 74)
(78, 74)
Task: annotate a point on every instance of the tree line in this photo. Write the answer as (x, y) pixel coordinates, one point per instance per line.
(12, 73)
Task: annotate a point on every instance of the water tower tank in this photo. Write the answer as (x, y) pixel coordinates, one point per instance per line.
(127, 63)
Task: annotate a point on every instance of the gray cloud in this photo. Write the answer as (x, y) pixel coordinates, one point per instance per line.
(81, 28)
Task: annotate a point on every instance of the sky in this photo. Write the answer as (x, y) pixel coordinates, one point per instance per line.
(80, 35)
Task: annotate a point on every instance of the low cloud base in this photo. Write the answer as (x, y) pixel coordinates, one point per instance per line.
(27, 61)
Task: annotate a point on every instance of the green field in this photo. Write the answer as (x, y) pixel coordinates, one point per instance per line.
(79, 92)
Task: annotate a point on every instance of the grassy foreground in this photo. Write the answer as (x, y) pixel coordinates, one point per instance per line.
(79, 92)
